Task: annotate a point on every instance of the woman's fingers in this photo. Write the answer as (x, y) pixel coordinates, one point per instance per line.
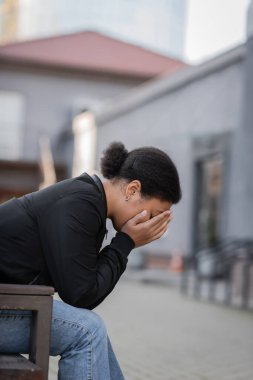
(157, 220)
(164, 223)
(161, 229)
(160, 224)
(158, 232)
(157, 229)
(158, 235)
(149, 230)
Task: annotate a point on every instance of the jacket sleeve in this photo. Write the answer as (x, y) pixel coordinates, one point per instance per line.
(83, 277)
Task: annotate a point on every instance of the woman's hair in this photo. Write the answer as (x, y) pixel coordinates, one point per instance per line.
(151, 166)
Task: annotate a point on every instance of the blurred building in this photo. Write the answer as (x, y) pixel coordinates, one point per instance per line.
(203, 117)
(158, 25)
(45, 83)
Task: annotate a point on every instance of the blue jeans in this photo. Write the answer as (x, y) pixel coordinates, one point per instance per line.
(78, 335)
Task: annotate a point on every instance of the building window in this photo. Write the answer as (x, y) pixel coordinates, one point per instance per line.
(12, 106)
(209, 192)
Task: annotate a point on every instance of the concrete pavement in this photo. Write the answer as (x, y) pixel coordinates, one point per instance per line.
(159, 334)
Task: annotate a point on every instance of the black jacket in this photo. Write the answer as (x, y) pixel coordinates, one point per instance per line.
(53, 237)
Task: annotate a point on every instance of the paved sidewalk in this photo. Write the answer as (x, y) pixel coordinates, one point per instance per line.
(158, 334)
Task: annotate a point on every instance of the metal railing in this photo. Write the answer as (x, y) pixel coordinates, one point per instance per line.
(230, 264)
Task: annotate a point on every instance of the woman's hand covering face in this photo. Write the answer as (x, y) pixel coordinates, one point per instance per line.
(145, 231)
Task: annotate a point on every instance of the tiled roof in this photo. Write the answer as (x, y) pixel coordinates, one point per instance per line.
(90, 52)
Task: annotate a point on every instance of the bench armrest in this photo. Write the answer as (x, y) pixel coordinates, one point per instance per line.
(34, 290)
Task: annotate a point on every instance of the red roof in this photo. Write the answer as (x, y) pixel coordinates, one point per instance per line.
(90, 52)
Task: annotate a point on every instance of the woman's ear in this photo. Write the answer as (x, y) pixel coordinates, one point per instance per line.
(133, 187)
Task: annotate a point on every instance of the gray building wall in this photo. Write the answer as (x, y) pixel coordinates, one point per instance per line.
(51, 99)
(184, 121)
(241, 190)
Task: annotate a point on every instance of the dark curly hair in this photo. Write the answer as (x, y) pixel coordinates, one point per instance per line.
(151, 166)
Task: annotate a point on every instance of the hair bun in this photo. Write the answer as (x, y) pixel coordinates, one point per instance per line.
(113, 158)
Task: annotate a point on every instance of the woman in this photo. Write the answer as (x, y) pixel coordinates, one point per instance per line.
(53, 237)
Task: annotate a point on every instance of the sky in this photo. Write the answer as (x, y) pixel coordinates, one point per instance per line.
(214, 26)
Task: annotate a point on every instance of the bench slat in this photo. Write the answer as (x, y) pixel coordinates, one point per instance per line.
(38, 290)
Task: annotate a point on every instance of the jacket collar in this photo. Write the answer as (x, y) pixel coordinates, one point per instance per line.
(100, 186)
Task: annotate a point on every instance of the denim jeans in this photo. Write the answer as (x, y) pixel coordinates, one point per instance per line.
(78, 335)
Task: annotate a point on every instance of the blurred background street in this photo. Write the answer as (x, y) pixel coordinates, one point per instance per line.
(159, 334)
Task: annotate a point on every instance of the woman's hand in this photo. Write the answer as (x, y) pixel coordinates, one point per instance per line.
(143, 232)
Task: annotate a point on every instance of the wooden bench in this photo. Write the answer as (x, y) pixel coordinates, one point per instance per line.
(15, 366)
(39, 300)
